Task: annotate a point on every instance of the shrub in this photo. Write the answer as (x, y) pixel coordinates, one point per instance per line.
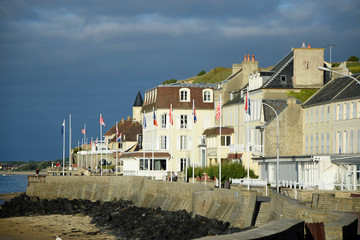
(353, 59)
(201, 73)
(169, 81)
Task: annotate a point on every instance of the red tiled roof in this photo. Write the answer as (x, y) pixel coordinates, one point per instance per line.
(128, 128)
(216, 131)
(234, 155)
(170, 95)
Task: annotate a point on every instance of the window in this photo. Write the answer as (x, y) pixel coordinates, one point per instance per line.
(163, 142)
(307, 144)
(312, 115)
(183, 142)
(317, 115)
(207, 95)
(183, 122)
(322, 114)
(143, 164)
(283, 78)
(354, 110)
(322, 144)
(340, 112)
(347, 111)
(351, 142)
(340, 142)
(182, 164)
(327, 142)
(317, 143)
(163, 120)
(184, 95)
(328, 114)
(160, 164)
(225, 140)
(311, 143)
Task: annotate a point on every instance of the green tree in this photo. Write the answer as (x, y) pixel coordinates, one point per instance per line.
(353, 59)
(201, 73)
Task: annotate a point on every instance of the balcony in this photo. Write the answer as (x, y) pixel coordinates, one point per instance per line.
(255, 149)
(233, 148)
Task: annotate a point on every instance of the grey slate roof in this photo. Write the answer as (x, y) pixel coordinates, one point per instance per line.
(138, 101)
(278, 105)
(339, 89)
(284, 67)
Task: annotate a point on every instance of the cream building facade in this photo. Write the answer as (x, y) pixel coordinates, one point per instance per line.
(332, 134)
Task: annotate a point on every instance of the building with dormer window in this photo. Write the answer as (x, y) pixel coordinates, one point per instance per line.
(169, 147)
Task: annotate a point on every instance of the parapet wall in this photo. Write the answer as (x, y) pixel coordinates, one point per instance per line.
(233, 206)
(335, 223)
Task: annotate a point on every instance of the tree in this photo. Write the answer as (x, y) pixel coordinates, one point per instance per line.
(201, 73)
(353, 59)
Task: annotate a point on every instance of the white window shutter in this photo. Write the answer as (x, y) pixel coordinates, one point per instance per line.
(189, 144)
(190, 121)
(178, 143)
(177, 122)
(167, 142)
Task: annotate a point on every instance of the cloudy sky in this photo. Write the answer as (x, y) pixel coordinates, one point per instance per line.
(88, 57)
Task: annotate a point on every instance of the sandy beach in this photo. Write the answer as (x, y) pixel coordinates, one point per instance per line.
(47, 227)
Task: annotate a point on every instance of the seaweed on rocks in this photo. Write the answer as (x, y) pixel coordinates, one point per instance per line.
(122, 218)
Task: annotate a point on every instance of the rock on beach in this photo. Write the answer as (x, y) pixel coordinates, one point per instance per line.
(121, 218)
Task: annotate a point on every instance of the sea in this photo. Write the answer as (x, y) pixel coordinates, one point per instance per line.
(12, 183)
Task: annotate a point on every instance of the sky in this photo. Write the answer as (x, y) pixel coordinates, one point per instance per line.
(88, 57)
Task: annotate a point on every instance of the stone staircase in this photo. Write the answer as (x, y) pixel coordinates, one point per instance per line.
(264, 213)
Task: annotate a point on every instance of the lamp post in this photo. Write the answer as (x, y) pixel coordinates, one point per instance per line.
(330, 46)
(277, 146)
(346, 75)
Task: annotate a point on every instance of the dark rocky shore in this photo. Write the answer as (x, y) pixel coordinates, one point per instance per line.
(122, 218)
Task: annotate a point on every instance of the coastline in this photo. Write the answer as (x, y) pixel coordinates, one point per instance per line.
(8, 172)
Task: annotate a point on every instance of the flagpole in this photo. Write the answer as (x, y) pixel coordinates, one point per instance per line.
(117, 148)
(171, 156)
(91, 155)
(69, 141)
(152, 144)
(143, 140)
(64, 148)
(219, 155)
(193, 161)
(247, 136)
(101, 171)
(78, 155)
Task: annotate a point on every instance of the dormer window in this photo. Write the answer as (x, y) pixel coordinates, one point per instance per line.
(207, 95)
(282, 78)
(184, 95)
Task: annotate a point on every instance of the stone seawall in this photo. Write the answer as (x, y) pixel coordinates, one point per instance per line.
(232, 206)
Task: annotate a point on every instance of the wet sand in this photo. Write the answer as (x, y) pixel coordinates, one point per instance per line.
(47, 227)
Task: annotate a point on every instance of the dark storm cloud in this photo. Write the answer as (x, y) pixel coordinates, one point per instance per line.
(87, 57)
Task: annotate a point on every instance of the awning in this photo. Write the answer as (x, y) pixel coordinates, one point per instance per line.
(345, 159)
(234, 155)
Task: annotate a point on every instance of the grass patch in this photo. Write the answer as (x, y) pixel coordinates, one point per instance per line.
(215, 75)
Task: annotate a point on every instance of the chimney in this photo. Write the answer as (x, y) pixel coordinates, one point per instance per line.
(122, 120)
(309, 46)
(291, 100)
(253, 58)
(244, 57)
(248, 57)
(128, 118)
